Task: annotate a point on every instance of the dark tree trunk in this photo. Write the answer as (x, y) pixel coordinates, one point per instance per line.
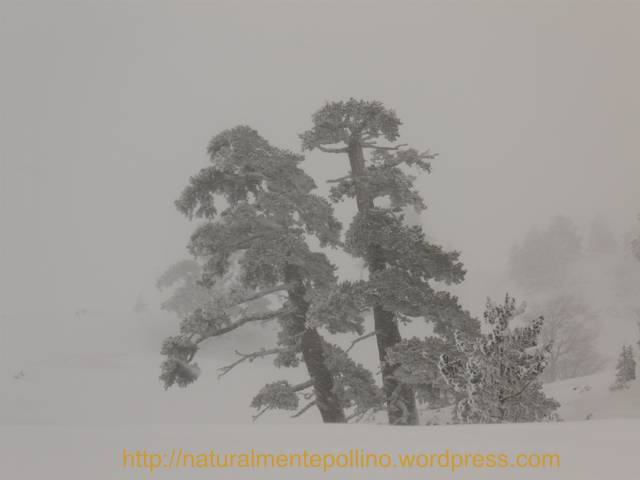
(326, 399)
(401, 402)
(311, 344)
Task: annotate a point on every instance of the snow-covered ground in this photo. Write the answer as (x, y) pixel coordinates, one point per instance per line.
(590, 398)
(588, 450)
(102, 369)
(583, 398)
(76, 394)
(76, 370)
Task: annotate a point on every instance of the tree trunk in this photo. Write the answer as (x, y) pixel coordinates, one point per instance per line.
(326, 399)
(311, 344)
(401, 402)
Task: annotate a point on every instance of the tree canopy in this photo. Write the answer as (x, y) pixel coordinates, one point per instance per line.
(259, 210)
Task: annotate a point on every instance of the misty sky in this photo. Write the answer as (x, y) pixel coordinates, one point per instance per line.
(106, 109)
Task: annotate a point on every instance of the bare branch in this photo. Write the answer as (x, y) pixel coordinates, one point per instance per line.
(366, 137)
(332, 150)
(260, 413)
(357, 416)
(302, 386)
(378, 147)
(262, 293)
(248, 357)
(241, 321)
(518, 393)
(359, 339)
(338, 180)
(300, 412)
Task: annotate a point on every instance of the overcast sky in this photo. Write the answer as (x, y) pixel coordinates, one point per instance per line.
(106, 109)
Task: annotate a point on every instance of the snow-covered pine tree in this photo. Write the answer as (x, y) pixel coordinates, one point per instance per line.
(571, 327)
(140, 306)
(625, 368)
(500, 382)
(539, 264)
(400, 260)
(257, 243)
(630, 364)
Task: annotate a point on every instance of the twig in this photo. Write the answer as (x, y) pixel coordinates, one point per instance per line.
(248, 356)
(359, 339)
(518, 393)
(378, 147)
(262, 293)
(332, 150)
(360, 415)
(302, 386)
(303, 409)
(215, 332)
(260, 413)
(338, 180)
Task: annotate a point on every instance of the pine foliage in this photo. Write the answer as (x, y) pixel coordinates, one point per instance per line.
(625, 368)
(499, 382)
(258, 211)
(402, 262)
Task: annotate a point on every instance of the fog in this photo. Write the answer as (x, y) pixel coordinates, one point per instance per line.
(107, 107)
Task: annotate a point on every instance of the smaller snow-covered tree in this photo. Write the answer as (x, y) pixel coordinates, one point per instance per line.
(571, 328)
(539, 264)
(500, 381)
(140, 306)
(625, 368)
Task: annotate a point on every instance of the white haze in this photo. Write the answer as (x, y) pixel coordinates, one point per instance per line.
(107, 107)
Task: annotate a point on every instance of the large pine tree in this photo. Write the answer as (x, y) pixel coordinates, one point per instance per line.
(258, 210)
(400, 260)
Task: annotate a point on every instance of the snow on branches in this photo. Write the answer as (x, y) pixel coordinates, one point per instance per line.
(499, 381)
(259, 212)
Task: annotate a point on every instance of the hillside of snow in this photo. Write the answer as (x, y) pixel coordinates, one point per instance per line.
(54, 416)
(589, 397)
(583, 398)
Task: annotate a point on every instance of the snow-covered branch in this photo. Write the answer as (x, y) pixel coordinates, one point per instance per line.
(300, 412)
(260, 413)
(217, 331)
(338, 180)
(302, 386)
(332, 150)
(248, 357)
(263, 293)
(379, 147)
